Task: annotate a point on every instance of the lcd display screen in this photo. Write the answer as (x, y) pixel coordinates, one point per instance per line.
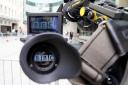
(38, 24)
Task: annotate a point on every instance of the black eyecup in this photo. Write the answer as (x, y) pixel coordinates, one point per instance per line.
(69, 59)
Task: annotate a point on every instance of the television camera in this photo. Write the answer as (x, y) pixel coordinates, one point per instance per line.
(102, 60)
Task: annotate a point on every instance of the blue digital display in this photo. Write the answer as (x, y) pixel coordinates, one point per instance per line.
(40, 24)
(44, 57)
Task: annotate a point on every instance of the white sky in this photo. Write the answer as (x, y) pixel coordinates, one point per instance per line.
(45, 1)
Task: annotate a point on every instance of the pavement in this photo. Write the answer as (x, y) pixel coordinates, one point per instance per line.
(10, 48)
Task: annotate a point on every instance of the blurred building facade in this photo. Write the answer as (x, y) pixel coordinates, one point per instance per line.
(11, 15)
(40, 7)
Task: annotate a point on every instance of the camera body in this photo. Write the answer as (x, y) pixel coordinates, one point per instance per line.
(47, 57)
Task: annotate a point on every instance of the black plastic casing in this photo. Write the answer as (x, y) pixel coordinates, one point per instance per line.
(48, 14)
(118, 30)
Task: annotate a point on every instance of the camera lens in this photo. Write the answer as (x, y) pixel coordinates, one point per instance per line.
(43, 58)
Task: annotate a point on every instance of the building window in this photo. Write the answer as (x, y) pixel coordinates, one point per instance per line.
(12, 12)
(5, 10)
(1, 8)
(30, 3)
(5, 22)
(15, 14)
(0, 21)
(9, 12)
